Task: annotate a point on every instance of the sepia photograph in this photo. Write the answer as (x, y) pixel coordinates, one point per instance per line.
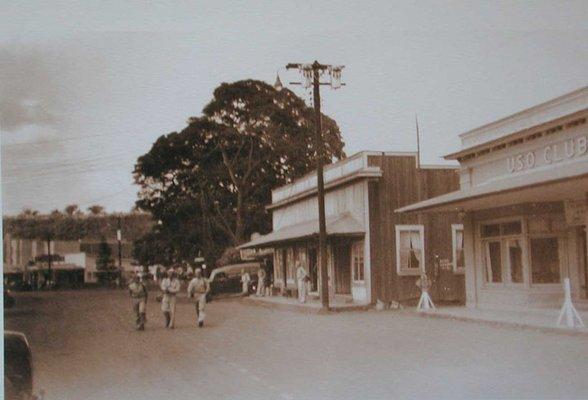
(268, 199)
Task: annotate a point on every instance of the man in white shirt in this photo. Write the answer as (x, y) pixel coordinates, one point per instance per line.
(197, 290)
(261, 282)
(245, 279)
(301, 280)
(170, 286)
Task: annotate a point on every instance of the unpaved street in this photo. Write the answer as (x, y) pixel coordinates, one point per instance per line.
(85, 347)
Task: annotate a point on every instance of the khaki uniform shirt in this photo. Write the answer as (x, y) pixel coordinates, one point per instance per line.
(138, 290)
(198, 286)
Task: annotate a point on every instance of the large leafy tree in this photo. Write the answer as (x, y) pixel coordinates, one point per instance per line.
(213, 179)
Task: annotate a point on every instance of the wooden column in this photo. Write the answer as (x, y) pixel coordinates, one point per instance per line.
(471, 269)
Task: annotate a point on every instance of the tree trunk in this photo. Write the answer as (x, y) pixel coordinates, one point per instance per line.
(239, 223)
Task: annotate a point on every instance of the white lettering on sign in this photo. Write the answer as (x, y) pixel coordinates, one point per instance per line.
(521, 161)
(553, 153)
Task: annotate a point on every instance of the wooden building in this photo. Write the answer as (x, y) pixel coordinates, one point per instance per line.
(373, 252)
(523, 196)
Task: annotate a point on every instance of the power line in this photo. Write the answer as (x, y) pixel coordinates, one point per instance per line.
(66, 139)
(43, 167)
(52, 176)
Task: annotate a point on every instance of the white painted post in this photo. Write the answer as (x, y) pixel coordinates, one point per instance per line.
(425, 302)
(573, 319)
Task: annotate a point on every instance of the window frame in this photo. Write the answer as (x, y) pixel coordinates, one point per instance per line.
(454, 229)
(560, 254)
(358, 248)
(405, 271)
(504, 239)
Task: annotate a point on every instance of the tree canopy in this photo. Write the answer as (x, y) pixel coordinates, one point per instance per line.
(73, 227)
(211, 181)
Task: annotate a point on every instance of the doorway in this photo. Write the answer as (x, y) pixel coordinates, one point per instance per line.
(342, 269)
(313, 269)
(584, 260)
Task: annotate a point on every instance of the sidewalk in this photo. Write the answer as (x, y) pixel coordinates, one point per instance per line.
(312, 305)
(544, 320)
(538, 319)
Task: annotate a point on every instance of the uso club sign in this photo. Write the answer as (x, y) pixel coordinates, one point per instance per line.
(550, 154)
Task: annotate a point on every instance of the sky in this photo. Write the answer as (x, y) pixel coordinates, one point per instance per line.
(86, 87)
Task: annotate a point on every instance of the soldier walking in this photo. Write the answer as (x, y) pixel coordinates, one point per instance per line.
(170, 286)
(197, 290)
(138, 292)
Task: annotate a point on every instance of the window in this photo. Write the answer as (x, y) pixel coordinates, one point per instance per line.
(410, 253)
(357, 261)
(457, 240)
(515, 260)
(290, 270)
(544, 260)
(494, 262)
(503, 229)
(503, 251)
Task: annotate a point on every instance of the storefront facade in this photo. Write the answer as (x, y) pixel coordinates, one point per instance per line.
(523, 195)
(372, 252)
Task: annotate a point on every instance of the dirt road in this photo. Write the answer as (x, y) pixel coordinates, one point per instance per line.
(85, 347)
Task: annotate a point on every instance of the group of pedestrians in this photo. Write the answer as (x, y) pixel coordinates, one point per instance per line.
(170, 286)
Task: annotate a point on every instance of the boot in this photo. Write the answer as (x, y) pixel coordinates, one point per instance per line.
(167, 319)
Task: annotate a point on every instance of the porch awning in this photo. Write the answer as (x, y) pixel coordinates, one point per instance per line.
(341, 225)
(570, 181)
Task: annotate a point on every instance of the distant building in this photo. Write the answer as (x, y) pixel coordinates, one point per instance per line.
(373, 252)
(524, 194)
(23, 257)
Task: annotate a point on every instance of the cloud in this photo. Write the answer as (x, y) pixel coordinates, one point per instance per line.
(29, 94)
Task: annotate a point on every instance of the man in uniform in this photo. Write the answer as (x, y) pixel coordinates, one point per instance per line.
(261, 282)
(138, 293)
(170, 286)
(197, 290)
(245, 279)
(301, 280)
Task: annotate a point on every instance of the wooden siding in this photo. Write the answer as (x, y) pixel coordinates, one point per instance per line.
(402, 184)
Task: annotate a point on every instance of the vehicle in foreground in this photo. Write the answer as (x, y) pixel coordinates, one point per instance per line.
(18, 367)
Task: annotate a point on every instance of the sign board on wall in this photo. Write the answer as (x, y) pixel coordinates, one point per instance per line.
(553, 153)
(575, 212)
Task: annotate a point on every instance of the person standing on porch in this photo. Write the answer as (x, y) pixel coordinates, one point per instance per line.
(301, 280)
(170, 286)
(245, 279)
(261, 282)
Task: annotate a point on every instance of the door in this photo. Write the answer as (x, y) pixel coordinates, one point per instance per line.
(313, 269)
(342, 269)
(584, 260)
(284, 269)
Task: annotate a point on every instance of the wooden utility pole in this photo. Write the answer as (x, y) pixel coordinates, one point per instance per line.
(119, 240)
(49, 271)
(316, 69)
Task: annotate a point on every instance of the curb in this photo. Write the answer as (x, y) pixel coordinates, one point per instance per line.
(304, 309)
(503, 324)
